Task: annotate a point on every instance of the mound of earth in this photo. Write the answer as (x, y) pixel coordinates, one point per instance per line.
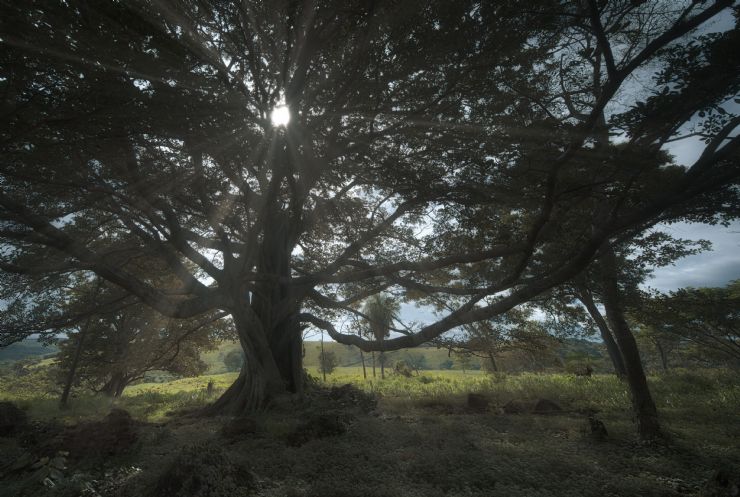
(12, 419)
(204, 470)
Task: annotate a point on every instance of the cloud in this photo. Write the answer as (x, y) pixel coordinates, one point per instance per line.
(712, 268)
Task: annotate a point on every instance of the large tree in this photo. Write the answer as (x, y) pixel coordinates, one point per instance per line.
(139, 130)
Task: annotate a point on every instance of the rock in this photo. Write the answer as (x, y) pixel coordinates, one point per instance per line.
(240, 427)
(515, 407)
(12, 419)
(598, 430)
(723, 483)
(203, 470)
(477, 402)
(545, 406)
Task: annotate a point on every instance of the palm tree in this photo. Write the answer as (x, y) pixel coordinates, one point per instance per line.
(380, 311)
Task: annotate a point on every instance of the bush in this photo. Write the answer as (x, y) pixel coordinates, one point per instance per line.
(327, 362)
(446, 364)
(234, 360)
(204, 470)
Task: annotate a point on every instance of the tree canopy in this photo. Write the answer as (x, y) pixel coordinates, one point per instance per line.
(439, 150)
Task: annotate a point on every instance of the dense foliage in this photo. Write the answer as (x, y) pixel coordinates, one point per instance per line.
(455, 153)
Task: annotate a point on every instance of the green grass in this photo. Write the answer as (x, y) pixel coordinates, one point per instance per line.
(423, 442)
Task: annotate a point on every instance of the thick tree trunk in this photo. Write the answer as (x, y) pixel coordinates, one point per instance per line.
(260, 380)
(269, 331)
(606, 335)
(646, 413)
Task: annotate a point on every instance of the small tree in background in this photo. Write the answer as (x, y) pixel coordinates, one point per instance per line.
(463, 359)
(416, 361)
(327, 362)
(381, 310)
(705, 322)
(513, 331)
(446, 364)
(234, 360)
(121, 347)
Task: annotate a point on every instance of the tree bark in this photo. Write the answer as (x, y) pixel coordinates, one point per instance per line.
(584, 295)
(364, 371)
(116, 385)
(260, 380)
(269, 331)
(372, 354)
(646, 413)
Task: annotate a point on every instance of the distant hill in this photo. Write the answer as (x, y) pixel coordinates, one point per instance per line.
(29, 347)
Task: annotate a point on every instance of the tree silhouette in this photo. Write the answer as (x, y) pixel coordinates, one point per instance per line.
(445, 150)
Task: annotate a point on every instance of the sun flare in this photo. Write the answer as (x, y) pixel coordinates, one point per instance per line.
(280, 116)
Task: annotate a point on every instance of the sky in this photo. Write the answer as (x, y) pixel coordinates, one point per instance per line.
(712, 268)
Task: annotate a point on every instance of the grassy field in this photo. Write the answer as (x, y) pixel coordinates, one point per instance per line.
(423, 440)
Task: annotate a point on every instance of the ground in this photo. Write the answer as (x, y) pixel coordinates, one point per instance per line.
(421, 439)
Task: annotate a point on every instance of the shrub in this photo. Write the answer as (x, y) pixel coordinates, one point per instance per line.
(204, 470)
(234, 360)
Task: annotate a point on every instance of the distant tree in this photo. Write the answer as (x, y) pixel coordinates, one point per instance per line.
(402, 368)
(512, 331)
(415, 360)
(463, 360)
(446, 364)
(707, 318)
(122, 346)
(327, 362)
(380, 311)
(233, 360)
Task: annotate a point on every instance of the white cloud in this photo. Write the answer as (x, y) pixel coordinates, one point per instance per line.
(712, 268)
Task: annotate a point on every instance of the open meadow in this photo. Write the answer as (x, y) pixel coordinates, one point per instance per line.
(418, 435)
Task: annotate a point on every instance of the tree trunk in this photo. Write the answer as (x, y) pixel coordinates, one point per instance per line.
(663, 355)
(261, 379)
(492, 359)
(584, 295)
(73, 368)
(372, 354)
(364, 371)
(115, 386)
(646, 413)
(269, 331)
(322, 359)
(382, 366)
